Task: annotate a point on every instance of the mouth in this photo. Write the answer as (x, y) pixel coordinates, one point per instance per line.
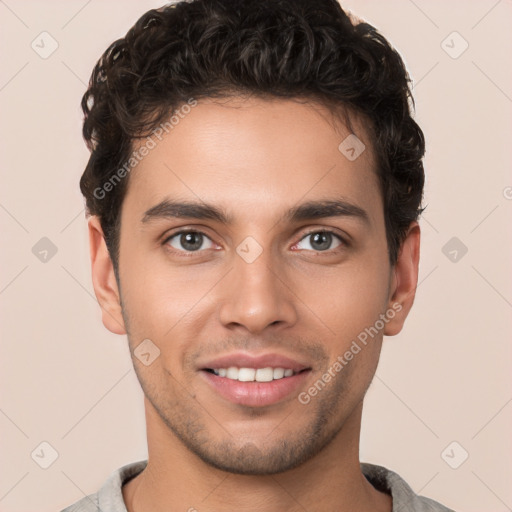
(255, 381)
(267, 374)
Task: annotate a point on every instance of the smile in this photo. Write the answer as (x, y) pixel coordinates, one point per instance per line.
(267, 374)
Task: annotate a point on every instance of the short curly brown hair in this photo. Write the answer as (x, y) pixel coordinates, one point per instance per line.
(270, 48)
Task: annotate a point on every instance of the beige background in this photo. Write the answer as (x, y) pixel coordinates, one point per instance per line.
(69, 382)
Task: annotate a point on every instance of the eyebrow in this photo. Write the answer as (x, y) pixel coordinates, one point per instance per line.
(310, 210)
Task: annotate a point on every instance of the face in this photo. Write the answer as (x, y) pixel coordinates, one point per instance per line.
(264, 298)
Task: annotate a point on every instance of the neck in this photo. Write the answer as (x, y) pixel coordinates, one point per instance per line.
(177, 480)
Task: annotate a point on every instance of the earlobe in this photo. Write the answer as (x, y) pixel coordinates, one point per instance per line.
(104, 280)
(404, 280)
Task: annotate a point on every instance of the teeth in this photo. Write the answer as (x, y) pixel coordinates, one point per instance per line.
(246, 374)
(278, 373)
(252, 374)
(264, 375)
(232, 373)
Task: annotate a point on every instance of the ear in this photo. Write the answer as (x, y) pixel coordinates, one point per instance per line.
(404, 280)
(104, 279)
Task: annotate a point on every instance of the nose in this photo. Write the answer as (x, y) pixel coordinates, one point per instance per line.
(257, 295)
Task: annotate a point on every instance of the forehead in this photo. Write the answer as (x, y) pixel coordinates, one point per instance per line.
(244, 154)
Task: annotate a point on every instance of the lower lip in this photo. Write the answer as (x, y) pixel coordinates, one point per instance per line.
(256, 394)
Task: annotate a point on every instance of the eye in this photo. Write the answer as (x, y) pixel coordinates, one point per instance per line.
(321, 241)
(190, 241)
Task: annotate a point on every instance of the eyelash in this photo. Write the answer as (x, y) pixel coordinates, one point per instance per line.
(344, 243)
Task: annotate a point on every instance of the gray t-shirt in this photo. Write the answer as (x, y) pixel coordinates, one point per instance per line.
(110, 497)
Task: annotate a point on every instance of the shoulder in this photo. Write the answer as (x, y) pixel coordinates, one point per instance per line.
(404, 498)
(110, 496)
(86, 504)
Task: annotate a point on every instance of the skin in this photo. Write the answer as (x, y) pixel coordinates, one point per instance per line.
(256, 159)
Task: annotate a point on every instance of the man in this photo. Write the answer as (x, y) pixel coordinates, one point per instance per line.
(254, 186)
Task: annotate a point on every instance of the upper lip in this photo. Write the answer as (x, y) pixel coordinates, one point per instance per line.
(245, 360)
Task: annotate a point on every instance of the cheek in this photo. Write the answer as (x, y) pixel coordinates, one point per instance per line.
(160, 295)
(165, 305)
(350, 307)
(348, 299)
